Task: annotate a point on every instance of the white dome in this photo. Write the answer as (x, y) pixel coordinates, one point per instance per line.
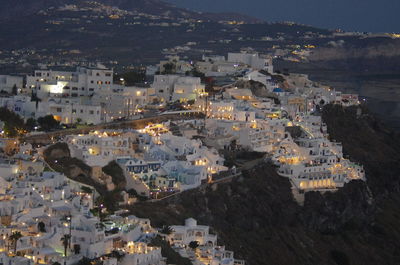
(190, 222)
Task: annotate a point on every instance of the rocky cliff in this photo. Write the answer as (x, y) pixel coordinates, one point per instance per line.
(256, 216)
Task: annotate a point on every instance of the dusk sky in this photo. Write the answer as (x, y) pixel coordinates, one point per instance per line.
(357, 15)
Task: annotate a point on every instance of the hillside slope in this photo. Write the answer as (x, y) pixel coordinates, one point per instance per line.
(15, 9)
(257, 217)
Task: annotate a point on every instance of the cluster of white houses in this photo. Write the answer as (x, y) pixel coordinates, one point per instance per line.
(153, 159)
(43, 207)
(157, 159)
(279, 118)
(89, 94)
(39, 208)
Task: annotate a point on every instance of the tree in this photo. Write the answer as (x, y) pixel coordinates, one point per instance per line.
(31, 123)
(78, 120)
(48, 123)
(86, 190)
(130, 78)
(194, 244)
(77, 249)
(42, 227)
(65, 241)
(169, 68)
(195, 73)
(233, 145)
(167, 230)
(14, 90)
(15, 236)
(13, 124)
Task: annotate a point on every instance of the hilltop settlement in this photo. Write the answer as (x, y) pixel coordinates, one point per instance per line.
(80, 146)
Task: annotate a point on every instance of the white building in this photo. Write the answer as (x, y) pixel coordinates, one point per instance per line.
(192, 232)
(164, 86)
(99, 148)
(7, 82)
(312, 162)
(208, 251)
(82, 82)
(253, 60)
(187, 88)
(122, 102)
(230, 110)
(72, 113)
(14, 260)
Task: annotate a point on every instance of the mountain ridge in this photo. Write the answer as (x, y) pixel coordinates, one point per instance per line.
(22, 8)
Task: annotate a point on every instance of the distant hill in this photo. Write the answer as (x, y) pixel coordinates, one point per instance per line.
(127, 32)
(15, 9)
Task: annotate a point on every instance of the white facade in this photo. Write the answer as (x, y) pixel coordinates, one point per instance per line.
(164, 86)
(208, 251)
(312, 162)
(121, 102)
(253, 60)
(187, 88)
(99, 148)
(229, 110)
(175, 88)
(192, 232)
(72, 113)
(7, 82)
(82, 82)
(14, 260)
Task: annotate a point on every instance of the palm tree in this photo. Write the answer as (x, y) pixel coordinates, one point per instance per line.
(42, 227)
(15, 236)
(167, 230)
(65, 241)
(194, 244)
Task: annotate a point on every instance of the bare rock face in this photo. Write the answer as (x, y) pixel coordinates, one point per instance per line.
(75, 172)
(351, 207)
(57, 151)
(257, 88)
